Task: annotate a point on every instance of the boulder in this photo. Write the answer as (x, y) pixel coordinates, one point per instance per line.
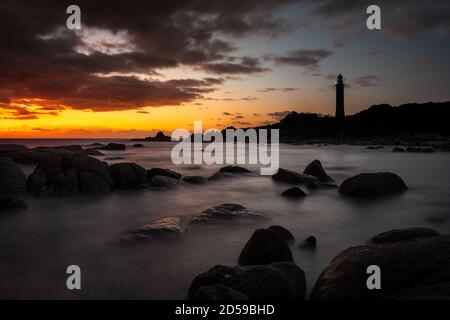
(278, 281)
(115, 146)
(91, 171)
(163, 172)
(161, 228)
(12, 179)
(372, 185)
(234, 169)
(138, 145)
(398, 149)
(402, 235)
(315, 185)
(92, 184)
(160, 136)
(374, 147)
(194, 179)
(265, 247)
(411, 269)
(5, 147)
(288, 176)
(12, 204)
(420, 149)
(37, 181)
(128, 175)
(308, 243)
(315, 169)
(91, 152)
(284, 233)
(225, 212)
(163, 182)
(294, 193)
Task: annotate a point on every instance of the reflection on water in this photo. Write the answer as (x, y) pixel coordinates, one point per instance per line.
(37, 245)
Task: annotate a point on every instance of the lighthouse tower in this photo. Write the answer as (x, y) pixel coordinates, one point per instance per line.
(340, 113)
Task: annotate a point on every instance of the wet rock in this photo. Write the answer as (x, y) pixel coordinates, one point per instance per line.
(12, 179)
(284, 233)
(93, 175)
(420, 149)
(4, 147)
(163, 172)
(278, 281)
(411, 269)
(7, 204)
(374, 147)
(234, 169)
(294, 193)
(93, 184)
(398, 149)
(163, 182)
(315, 169)
(288, 176)
(308, 243)
(265, 247)
(161, 228)
(91, 152)
(228, 171)
(315, 185)
(138, 145)
(128, 175)
(194, 179)
(37, 181)
(114, 158)
(403, 235)
(372, 184)
(115, 146)
(225, 212)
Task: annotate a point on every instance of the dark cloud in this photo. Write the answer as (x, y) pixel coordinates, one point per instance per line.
(278, 89)
(278, 115)
(367, 81)
(302, 57)
(110, 63)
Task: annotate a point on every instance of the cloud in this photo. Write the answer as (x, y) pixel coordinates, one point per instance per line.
(367, 81)
(305, 58)
(278, 115)
(278, 89)
(246, 65)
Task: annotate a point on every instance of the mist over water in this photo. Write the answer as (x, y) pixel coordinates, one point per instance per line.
(38, 244)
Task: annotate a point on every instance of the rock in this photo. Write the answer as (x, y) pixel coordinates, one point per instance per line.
(160, 136)
(284, 233)
(287, 176)
(4, 147)
(37, 181)
(308, 243)
(114, 158)
(12, 204)
(161, 228)
(93, 184)
(234, 169)
(225, 212)
(402, 235)
(12, 179)
(138, 145)
(398, 149)
(95, 144)
(94, 176)
(315, 185)
(194, 179)
(163, 172)
(315, 169)
(374, 147)
(420, 149)
(265, 247)
(91, 152)
(294, 193)
(114, 146)
(278, 281)
(128, 175)
(163, 182)
(372, 184)
(409, 269)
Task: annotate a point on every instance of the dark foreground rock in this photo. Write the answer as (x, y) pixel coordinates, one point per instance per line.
(403, 235)
(115, 146)
(12, 179)
(194, 179)
(265, 247)
(7, 204)
(315, 185)
(372, 184)
(294, 193)
(138, 145)
(225, 212)
(163, 182)
(288, 176)
(127, 175)
(411, 269)
(315, 169)
(163, 228)
(284, 233)
(163, 172)
(398, 149)
(278, 281)
(308, 243)
(234, 169)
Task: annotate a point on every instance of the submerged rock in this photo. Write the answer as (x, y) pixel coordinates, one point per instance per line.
(115, 146)
(284, 233)
(403, 235)
(163, 182)
(163, 172)
(12, 179)
(288, 176)
(278, 281)
(294, 193)
(315, 169)
(410, 269)
(420, 149)
(12, 204)
(308, 243)
(138, 145)
(194, 179)
(128, 175)
(264, 247)
(315, 185)
(372, 184)
(225, 212)
(398, 149)
(228, 171)
(161, 228)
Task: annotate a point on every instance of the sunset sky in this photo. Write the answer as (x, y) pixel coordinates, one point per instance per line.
(137, 67)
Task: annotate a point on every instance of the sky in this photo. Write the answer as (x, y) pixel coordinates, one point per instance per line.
(138, 67)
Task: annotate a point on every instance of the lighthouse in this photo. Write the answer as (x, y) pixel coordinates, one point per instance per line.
(340, 113)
